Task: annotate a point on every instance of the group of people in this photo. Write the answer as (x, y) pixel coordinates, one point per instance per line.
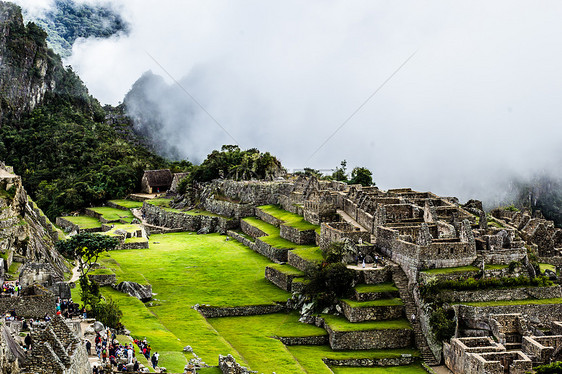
(67, 308)
(10, 289)
(145, 349)
(362, 260)
(119, 356)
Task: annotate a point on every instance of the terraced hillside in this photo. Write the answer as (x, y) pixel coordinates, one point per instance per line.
(205, 284)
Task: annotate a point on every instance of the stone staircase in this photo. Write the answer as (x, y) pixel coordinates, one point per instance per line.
(401, 281)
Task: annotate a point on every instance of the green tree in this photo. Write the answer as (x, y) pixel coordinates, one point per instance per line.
(341, 172)
(86, 248)
(362, 176)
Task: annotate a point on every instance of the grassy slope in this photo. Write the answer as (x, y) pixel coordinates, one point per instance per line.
(129, 204)
(451, 270)
(113, 214)
(381, 287)
(185, 269)
(84, 222)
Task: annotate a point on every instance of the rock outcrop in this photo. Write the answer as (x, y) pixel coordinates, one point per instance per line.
(141, 292)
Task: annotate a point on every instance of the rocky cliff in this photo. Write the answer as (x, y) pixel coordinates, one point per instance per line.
(26, 235)
(29, 70)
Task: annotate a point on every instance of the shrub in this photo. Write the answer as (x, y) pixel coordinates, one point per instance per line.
(553, 368)
(334, 252)
(328, 282)
(442, 322)
(108, 313)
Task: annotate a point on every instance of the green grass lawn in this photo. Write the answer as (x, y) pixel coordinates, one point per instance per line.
(516, 302)
(310, 357)
(339, 323)
(263, 226)
(290, 219)
(113, 214)
(130, 228)
(381, 287)
(84, 222)
(129, 204)
(459, 269)
(380, 302)
(185, 269)
(253, 336)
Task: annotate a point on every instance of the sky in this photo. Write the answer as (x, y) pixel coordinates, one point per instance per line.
(458, 98)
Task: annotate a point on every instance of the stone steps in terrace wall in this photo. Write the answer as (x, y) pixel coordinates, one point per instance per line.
(366, 312)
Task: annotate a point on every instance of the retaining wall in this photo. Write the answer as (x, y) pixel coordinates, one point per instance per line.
(250, 310)
(297, 236)
(29, 306)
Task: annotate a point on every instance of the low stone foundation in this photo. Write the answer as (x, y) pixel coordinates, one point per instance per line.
(68, 226)
(249, 310)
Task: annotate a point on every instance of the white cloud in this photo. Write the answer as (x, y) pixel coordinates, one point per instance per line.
(478, 102)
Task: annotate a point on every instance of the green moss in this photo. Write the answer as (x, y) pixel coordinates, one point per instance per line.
(373, 303)
(550, 267)
(14, 268)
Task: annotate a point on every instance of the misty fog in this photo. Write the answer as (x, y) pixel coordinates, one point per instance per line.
(476, 107)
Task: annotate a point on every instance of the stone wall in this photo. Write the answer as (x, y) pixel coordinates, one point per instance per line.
(521, 293)
(103, 279)
(375, 275)
(371, 362)
(274, 254)
(241, 239)
(68, 226)
(249, 310)
(251, 230)
(373, 313)
(477, 317)
(303, 340)
(266, 217)
(229, 209)
(135, 245)
(541, 348)
(29, 306)
(188, 222)
(371, 339)
(338, 231)
(280, 279)
(297, 236)
(299, 262)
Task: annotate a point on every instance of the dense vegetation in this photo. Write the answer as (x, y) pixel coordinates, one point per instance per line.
(359, 175)
(67, 21)
(234, 163)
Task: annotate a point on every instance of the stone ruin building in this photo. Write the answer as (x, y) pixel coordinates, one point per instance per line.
(154, 181)
(415, 232)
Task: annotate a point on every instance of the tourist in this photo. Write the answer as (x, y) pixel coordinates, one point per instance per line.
(155, 359)
(27, 341)
(129, 355)
(95, 370)
(89, 347)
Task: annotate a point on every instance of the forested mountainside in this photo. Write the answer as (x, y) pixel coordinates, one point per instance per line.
(67, 21)
(69, 151)
(542, 193)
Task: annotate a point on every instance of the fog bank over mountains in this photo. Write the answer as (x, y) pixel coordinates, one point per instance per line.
(474, 109)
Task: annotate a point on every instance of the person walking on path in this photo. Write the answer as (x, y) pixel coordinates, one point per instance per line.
(155, 359)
